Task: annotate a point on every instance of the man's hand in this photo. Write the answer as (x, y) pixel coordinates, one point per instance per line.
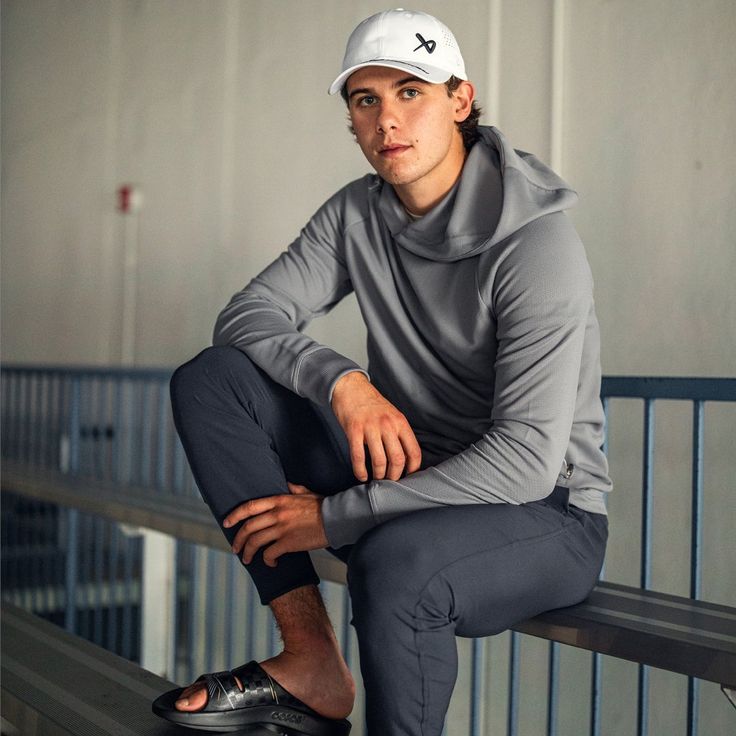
(286, 523)
(368, 419)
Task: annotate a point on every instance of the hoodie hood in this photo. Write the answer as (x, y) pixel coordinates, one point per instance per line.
(499, 191)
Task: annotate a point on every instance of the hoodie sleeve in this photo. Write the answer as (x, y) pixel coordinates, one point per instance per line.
(540, 295)
(265, 319)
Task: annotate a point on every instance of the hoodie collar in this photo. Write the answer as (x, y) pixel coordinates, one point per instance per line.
(499, 191)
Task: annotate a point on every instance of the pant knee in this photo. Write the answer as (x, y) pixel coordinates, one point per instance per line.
(205, 366)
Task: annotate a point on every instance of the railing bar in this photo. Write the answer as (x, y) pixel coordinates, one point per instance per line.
(46, 424)
(4, 396)
(250, 640)
(19, 417)
(8, 446)
(646, 551)
(647, 495)
(34, 555)
(145, 434)
(26, 414)
(513, 704)
(37, 421)
(476, 687)
(596, 660)
(62, 426)
(99, 576)
(44, 558)
(193, 634)
(179, 466)
(669, 387)
(72, 564)
(86, 576)
(112, 620)
(162, 437)
(697, 501)
(90, 370)
(210, 595)
(117, 423)
(4, 408)
(102, 442)
(231, 616)
(128, 552)
(696, 549)
(553, 687)
(29, 408)
(19, 414)
(595, 696)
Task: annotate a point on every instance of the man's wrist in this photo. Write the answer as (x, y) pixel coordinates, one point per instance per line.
(346, 381)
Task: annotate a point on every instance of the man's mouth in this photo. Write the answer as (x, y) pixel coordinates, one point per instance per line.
(392, 150)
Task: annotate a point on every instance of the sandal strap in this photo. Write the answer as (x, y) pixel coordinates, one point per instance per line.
(259, 687)
(261, 684)
(223, 692)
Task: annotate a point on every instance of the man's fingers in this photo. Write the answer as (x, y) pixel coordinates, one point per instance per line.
(357, 455)
(256, 524)
(273, 552)
(395, 455)
(249, 508)
(374, 442)
(411, 449)
(258, 540)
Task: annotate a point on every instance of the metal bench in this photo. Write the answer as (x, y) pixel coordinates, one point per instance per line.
(691, 637)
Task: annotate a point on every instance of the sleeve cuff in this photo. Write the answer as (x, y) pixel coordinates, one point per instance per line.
(347, 516)
(317, 372)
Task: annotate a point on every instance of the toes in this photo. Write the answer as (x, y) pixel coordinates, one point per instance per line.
(195, 697)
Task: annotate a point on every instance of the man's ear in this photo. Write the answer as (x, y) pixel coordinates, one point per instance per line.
(463, 98)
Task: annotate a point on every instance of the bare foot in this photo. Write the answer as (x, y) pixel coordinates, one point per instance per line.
(321, 680)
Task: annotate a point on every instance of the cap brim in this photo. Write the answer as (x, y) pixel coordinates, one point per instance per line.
(427, 73)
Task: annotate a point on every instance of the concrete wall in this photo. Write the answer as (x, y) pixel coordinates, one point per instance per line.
(218, 110)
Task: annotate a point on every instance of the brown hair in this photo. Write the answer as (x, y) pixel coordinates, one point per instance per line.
(468, 128)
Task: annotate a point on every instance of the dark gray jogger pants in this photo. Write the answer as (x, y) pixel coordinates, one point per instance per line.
(416, 581)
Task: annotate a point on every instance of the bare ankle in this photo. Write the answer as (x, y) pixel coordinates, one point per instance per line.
(303, 621)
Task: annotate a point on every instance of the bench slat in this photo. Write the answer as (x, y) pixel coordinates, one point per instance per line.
(638, 625)
(693, 638)
(56, 683)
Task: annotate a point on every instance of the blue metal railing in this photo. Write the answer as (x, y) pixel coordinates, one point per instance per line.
(115, 424)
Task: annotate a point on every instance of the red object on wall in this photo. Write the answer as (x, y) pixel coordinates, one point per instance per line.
(124, 198)
(130, 198)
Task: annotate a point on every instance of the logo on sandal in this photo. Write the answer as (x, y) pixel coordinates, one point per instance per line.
(287, 717)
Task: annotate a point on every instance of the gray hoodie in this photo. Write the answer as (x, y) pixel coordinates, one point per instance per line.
(481, 330)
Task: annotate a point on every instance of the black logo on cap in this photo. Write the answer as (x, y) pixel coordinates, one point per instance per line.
(429, 45)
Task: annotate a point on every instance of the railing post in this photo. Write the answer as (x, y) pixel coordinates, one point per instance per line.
(72, 527)
(642, 718)
(476, 688)
(696, 544)
(158, 603)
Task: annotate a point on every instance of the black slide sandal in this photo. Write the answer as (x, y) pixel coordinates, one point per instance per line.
(262, 705)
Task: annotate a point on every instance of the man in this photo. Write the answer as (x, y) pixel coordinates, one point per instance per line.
(461, 476)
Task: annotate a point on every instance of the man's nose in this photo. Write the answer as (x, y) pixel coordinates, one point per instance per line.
(387, 118)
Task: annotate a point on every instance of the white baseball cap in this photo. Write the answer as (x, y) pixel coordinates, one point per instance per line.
(410, 40)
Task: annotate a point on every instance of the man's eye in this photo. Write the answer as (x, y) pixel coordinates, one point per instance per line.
(410, 92)
(367, 101)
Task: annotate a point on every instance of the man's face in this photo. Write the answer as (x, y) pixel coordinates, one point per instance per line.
(405, 127)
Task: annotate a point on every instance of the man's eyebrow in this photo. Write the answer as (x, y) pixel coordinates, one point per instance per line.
(409, 80)
(399, 83)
